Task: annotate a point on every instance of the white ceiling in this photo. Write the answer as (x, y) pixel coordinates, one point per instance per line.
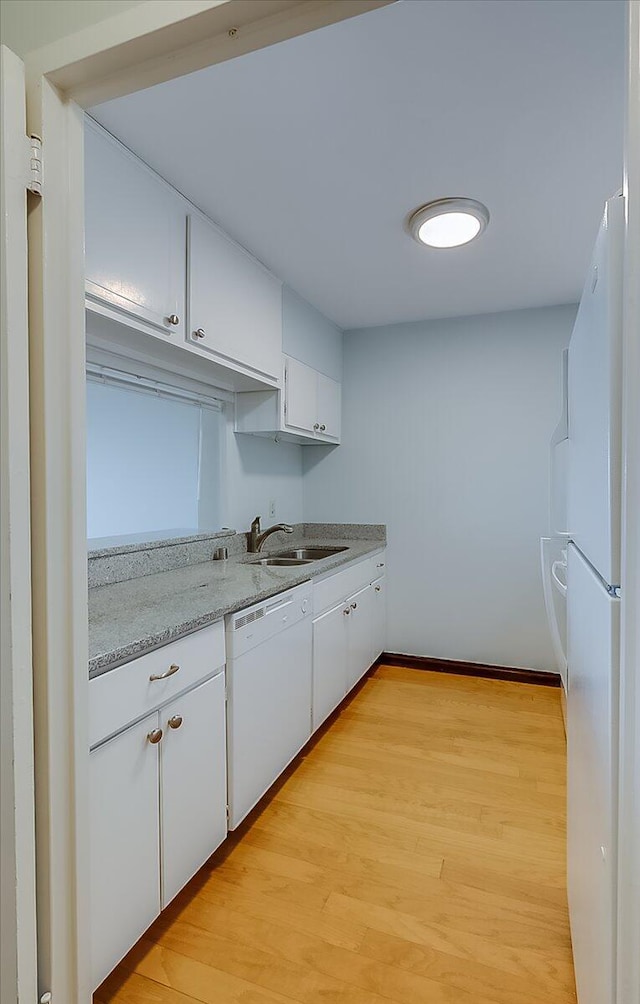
(312, 152)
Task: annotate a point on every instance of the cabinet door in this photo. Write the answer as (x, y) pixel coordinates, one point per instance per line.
(379, 617)
(235, 306)
(135, 233)
(124, 844)
(360, 631)
(301, 396)
(329, 405)
(194, 783)
(329, 662)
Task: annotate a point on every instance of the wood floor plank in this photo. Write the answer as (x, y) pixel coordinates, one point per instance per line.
(414, 853)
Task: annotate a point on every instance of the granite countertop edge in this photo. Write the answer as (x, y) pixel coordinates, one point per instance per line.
(102, 662)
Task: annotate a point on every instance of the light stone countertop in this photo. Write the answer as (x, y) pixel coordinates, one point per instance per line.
(127, 619)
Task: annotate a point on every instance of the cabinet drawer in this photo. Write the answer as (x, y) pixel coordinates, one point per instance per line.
(335, 588)
(127, 693)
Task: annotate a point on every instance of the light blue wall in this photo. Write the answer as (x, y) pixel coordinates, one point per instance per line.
(258, 470)
(309, 336)
(445, 434)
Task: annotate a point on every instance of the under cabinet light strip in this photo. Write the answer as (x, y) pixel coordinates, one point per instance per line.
(118, 378)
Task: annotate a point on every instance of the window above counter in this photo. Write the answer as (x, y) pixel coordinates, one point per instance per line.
(154, 457)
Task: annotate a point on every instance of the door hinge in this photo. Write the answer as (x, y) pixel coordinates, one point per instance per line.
(34, 169)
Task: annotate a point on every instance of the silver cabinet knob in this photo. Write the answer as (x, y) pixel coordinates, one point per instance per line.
(347, 611)
(199, 333)
(380, 565)
(354, 606)
(323, 428)
(316, 427)
(377, 588)
(175, 722)
(173, 668)
(173, 319)
(155, 736)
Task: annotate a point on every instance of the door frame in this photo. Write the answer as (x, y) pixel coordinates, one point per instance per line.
(150, 43)
(17, 839)
(628, 969)
(146, 45)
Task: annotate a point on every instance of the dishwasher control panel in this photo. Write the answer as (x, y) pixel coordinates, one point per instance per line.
(256, 624)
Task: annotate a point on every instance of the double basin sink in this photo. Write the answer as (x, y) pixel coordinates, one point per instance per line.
(299, 556)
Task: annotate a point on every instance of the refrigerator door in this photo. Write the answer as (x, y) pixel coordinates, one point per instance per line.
(594, 487)
(592, 733)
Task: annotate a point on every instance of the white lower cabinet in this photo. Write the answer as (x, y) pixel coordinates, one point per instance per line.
(193, 783)
(349, 636)
(379, 598)
(330, 640)
(125, 843)
(360, 635)
(158, 810)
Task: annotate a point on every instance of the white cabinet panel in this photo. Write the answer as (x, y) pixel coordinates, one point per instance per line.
(360, 635)
(194, 783)
(329, 662)
(235, 306)
(329, 407)
(135, 238)
(301, 387)
(124, 844)
(379, 617)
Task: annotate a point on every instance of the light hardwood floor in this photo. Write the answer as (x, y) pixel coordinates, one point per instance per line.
(415, 853)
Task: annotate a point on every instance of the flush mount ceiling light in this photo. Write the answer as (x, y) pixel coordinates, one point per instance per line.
(448, 223)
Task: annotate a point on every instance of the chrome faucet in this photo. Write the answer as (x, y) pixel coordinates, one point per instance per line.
(257, 538)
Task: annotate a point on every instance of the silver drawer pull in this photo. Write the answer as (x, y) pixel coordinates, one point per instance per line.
(354, 606)
(380, 565)
(347, 611)
(164, 676)
(155, 736)
(323, 428)
(173, 319)
(175, 722)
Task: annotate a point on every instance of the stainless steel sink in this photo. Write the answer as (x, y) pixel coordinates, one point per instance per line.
(311, 553)
(280, 560)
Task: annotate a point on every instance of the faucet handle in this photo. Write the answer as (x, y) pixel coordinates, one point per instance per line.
(287, 528)
(255, 526)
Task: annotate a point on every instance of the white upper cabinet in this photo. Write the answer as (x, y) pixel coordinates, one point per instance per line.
(235, 305)
(329, 407)
(135, 240)
(311, 402)
(300, 397)
(306, 411)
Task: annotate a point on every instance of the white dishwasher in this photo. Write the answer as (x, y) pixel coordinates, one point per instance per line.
(268, 692)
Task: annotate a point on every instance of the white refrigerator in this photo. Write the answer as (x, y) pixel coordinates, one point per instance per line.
(589, 457)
